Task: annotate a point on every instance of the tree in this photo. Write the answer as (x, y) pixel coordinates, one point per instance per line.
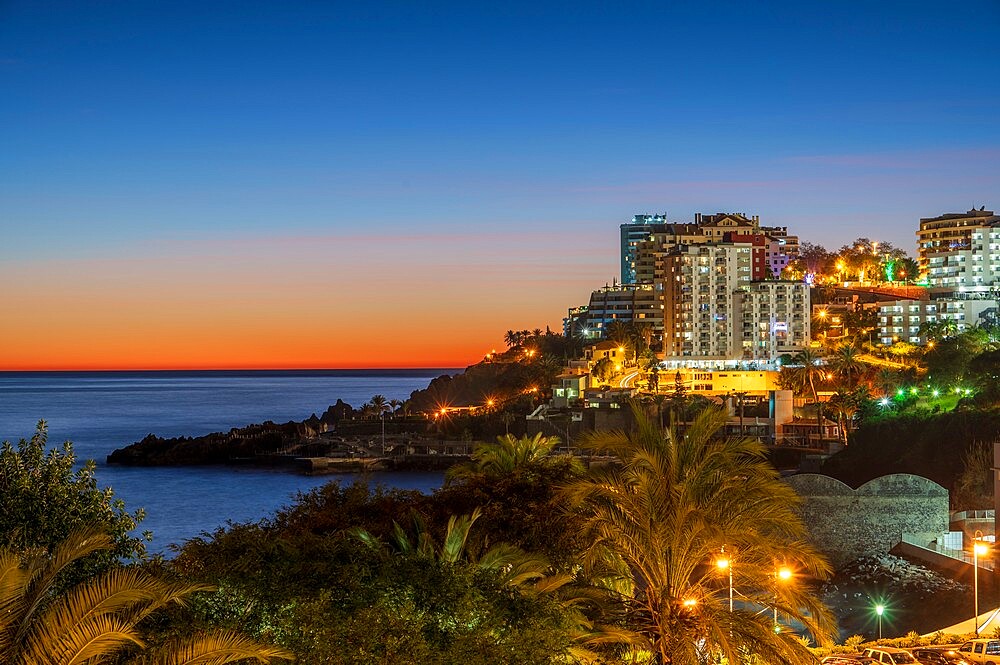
(846, 362)
(100, 617)
(844, 407)
(510, 455)
(662, 517)
(907, 270)
(394, 405)
(379, 405)
(807, 373)
(603, 370)
(44, 500)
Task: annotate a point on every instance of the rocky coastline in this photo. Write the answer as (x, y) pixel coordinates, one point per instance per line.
(336, 442)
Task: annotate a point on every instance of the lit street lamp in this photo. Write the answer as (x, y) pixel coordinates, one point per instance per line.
(726, 563)
(782, 574)
(879, 609)
(979, 548)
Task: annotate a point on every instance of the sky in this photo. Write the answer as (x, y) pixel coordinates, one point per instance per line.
(395, 184)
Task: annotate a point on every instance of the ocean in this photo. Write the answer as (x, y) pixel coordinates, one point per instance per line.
(101, 411)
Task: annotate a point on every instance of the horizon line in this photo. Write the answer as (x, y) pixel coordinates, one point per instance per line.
(228, 369)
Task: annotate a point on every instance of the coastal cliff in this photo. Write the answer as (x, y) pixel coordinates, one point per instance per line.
(249, 442)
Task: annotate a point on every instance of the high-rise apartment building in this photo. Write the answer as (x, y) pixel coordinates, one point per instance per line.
(948, 233)
(715, 309)
(648, 236)
(699, 284)
(775, 320)
(969, 266)
(639, 230)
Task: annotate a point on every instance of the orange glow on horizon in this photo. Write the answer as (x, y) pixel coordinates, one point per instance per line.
(268, 306)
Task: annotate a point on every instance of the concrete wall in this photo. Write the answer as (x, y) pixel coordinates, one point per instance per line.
(846, 523)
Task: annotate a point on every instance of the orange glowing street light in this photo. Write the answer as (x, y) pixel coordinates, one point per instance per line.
(783, 574)
(979, 548)
(724, 563)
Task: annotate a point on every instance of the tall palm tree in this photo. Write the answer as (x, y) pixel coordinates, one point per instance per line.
(847, 363)
(809, 372)
(844, 407)
(99, 617)
(661, 518)
(394, 405)
(379, 405)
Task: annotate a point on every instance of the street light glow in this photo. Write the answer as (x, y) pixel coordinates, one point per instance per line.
(784, 573)
(879, 609)
(690, 602)
(981, 549)
(722, 563)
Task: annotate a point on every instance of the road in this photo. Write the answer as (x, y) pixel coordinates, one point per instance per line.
(628, 380)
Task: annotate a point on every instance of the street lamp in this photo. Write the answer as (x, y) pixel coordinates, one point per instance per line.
(726, 563)
(782, 574)
(979, 548)
(879, 609)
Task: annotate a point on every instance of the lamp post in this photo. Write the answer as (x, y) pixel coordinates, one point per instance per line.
(383, 433)
(782, 574)
(726, 563)
(978, 547)
(879, 609)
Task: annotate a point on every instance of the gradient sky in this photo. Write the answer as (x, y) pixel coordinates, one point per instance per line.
(361, 184)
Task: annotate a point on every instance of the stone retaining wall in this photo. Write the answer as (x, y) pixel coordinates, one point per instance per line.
(846, 523)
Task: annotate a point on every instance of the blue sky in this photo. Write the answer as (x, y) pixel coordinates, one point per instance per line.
(137, 127)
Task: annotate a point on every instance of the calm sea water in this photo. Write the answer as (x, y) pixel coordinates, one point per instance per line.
(101, 411)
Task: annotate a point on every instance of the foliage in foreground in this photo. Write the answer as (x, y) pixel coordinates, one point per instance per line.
(674, 505)
(100, 618)
(44, 500)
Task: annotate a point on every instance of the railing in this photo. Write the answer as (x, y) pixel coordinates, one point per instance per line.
(986, 563)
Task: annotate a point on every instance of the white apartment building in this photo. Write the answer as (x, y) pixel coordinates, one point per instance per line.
(971, 267)
(714, 311)
(775, 319)
(700, 284)
(900, 320)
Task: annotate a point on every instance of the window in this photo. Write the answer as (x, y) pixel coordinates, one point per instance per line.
(977, 648)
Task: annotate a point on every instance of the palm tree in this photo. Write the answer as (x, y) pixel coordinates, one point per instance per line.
(394, 405)
(379, 405)
(510, 338)
(846, 362)
(660, 518)
(844, 408)
(509, 455)
(809, 372)
(99, 617)
(524, 573)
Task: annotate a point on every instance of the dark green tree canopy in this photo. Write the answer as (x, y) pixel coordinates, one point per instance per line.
(45, 498)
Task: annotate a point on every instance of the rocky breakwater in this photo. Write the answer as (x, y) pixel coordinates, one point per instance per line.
(916, 598)
(265, 444)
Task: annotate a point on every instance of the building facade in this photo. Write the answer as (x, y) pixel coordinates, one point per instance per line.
(627, 303)
(949, 232)
(902, 320)
(775, 319)
(714, 309)
(970, 266)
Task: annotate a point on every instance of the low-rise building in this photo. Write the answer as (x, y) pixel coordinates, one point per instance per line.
(627, 303)
(902, 320)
